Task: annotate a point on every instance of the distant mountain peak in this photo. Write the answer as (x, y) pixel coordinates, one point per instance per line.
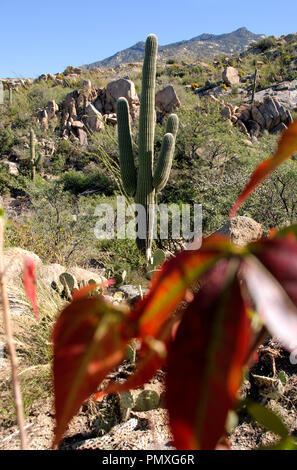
(243, 29)
(205, 46)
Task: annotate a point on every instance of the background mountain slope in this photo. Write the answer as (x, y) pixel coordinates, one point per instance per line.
(202, 46)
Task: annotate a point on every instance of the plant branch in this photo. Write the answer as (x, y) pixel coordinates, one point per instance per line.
(10, 344)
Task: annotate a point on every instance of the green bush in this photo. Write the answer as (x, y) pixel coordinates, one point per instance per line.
(78, 181)
(8, 139)
(265, 43)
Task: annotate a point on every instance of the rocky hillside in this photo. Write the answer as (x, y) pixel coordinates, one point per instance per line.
(203, 46)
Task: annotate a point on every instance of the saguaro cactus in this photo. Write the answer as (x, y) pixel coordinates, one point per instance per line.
(144, 182)
(254, 86)
(10, 96)
(34, 160)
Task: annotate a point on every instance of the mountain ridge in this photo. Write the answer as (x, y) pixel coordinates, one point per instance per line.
(203, 46)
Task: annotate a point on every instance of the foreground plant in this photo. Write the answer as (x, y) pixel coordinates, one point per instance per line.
(205, 345)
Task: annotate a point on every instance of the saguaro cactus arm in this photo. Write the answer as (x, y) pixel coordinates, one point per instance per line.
(162, 170)
(127, 165)
(164, 163)
(172, 125)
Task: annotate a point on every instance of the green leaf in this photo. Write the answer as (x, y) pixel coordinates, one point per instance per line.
(283, 377)
(268, 419)
(284, 444)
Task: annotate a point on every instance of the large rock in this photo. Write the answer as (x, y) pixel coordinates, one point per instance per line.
(121, 88)
(11, 167)
(243, 112)
(49, 273)
(93, 119)
(280, 128)
(52, 109)
(83, 137)
(167, 100)
(253, 128)
(241, 230)
(129, 291)
(70, 70)
(69, 108)
(230, 76)
(258, 116)
(14, 262)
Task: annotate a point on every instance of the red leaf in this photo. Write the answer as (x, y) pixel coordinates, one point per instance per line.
(170, 284)
(29, 281)
(286, 147)
(152, 357)
(90, 338)
(205, 361)
(271, 300)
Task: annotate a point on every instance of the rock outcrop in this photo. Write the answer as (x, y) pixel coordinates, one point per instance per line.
(253, 119)
(86, 110)
(46, 275)
(284, 93)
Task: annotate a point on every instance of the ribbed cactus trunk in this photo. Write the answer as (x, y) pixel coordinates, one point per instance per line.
(144, 183)
(10, 99)
(32, 154)
(145, 192)
(254, 86)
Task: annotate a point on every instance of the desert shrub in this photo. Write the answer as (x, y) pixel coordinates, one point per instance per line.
(93, 178)
(122, 255)
(204, 134)
(10, 185)
(60, 227)
(40, 94)
(8, 139)
(265, 43)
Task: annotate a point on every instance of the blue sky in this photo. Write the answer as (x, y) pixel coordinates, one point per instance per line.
(46, 36)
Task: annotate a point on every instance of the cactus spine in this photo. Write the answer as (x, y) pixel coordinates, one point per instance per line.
(144, 183)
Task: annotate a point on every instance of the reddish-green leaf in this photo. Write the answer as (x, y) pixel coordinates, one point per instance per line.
(29, 281)
(169, 285)
(286, 147)
(90, 338)
(288, 232)
(206, 359)
(271, 302)
(151, 358)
